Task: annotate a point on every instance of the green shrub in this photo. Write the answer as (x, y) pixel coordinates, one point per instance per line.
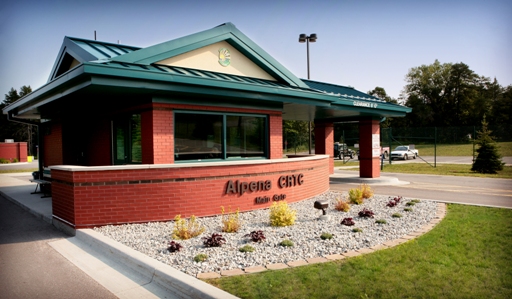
(281, 214)
(397, 215)
(15, 160)
(326, 236)
(231, 223)
(416, 200)
(411, 203)
(357, 230)
(185, 230)
(4, 161)
(200, 258)
(246, 248)
(286, 243)
(408, 209)
(356, 196)
(381, 221)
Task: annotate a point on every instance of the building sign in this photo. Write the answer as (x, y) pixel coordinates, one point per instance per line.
(224, 57)
(375, 145)
(284, 181)
(365, 104)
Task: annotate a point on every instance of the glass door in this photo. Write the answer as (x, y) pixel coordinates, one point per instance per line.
(127, 140)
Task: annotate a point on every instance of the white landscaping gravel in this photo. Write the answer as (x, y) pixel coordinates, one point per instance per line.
(153, 238)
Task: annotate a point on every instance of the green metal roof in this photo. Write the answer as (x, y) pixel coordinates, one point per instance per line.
(341, 91)
(225, 32)
(106, 68)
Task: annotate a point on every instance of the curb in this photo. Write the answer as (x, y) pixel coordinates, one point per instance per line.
(177, 282)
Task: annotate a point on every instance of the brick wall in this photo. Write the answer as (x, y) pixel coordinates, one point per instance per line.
(324, 142)
(14, 150)
(158, 131)
(52, 144)
(369, 166)
(98, 146)
(128, 195)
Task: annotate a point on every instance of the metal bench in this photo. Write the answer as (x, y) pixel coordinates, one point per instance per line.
(44, 184)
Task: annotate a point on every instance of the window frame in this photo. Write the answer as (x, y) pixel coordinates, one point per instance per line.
(266, 138)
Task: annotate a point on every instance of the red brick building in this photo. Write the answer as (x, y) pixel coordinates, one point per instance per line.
(185, 127)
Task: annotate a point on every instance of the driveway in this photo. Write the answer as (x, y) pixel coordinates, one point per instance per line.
(449, 189)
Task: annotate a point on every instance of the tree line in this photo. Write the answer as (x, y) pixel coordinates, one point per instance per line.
(450, 94)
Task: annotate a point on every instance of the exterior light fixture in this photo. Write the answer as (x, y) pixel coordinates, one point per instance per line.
(307, 39)
(322, 205)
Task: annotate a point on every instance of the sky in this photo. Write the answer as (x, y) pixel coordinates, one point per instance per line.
(361, 43)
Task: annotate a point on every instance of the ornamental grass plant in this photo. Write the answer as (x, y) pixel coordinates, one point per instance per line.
(184, 230)
(231, 222)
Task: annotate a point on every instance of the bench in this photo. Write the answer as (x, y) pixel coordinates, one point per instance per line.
(44, 184)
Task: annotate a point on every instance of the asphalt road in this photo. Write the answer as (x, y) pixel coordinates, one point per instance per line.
(30, 267)
(451, 189)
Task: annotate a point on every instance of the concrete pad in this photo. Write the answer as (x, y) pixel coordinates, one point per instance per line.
(297, 263)
(255, 269)
(277, 266)
(232, 272)
(334, 257)
(208, 275)
(119, 280)
(317, 260)
(351, 253)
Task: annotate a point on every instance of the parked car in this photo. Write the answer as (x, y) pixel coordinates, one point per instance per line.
(384, 150)
(341, 150)
(404, 152)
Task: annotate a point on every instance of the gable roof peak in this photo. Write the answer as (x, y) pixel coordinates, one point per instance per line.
(224, 32)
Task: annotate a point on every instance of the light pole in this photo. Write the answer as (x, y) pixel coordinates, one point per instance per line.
(308, 38)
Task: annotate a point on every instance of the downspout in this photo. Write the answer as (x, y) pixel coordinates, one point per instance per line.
(39, 137)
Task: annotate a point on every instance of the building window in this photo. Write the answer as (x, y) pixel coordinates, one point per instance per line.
(219, 136)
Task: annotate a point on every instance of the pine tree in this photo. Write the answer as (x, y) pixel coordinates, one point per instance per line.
(488, 159)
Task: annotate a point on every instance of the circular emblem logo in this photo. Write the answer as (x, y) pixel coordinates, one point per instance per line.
(224, 57)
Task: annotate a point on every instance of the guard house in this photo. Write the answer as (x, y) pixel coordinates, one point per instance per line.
(184, 127)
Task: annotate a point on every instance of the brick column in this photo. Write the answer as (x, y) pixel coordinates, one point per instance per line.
(324, 142)
(369, 166)
(157, 136)
(276, 136)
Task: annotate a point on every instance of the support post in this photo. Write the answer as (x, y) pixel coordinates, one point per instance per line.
(369, 148)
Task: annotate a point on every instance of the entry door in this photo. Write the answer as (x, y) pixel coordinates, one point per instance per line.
(127, 140)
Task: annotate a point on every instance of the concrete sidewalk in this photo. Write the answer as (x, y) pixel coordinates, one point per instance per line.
(121, 270)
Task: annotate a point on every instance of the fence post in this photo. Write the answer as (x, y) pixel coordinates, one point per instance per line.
(390, 144)
(435, 147)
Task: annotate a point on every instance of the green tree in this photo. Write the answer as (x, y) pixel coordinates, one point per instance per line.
(427, 86)
(488, 159)
(15, 130)
(380, 93)
(296, 133)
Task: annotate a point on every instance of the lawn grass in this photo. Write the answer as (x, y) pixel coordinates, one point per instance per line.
(445, 169)
(455, 150)
(18, 170)
(440, 169)
(467, 255)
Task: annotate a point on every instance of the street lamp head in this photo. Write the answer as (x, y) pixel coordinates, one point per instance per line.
(312, 37)
(302, 38)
